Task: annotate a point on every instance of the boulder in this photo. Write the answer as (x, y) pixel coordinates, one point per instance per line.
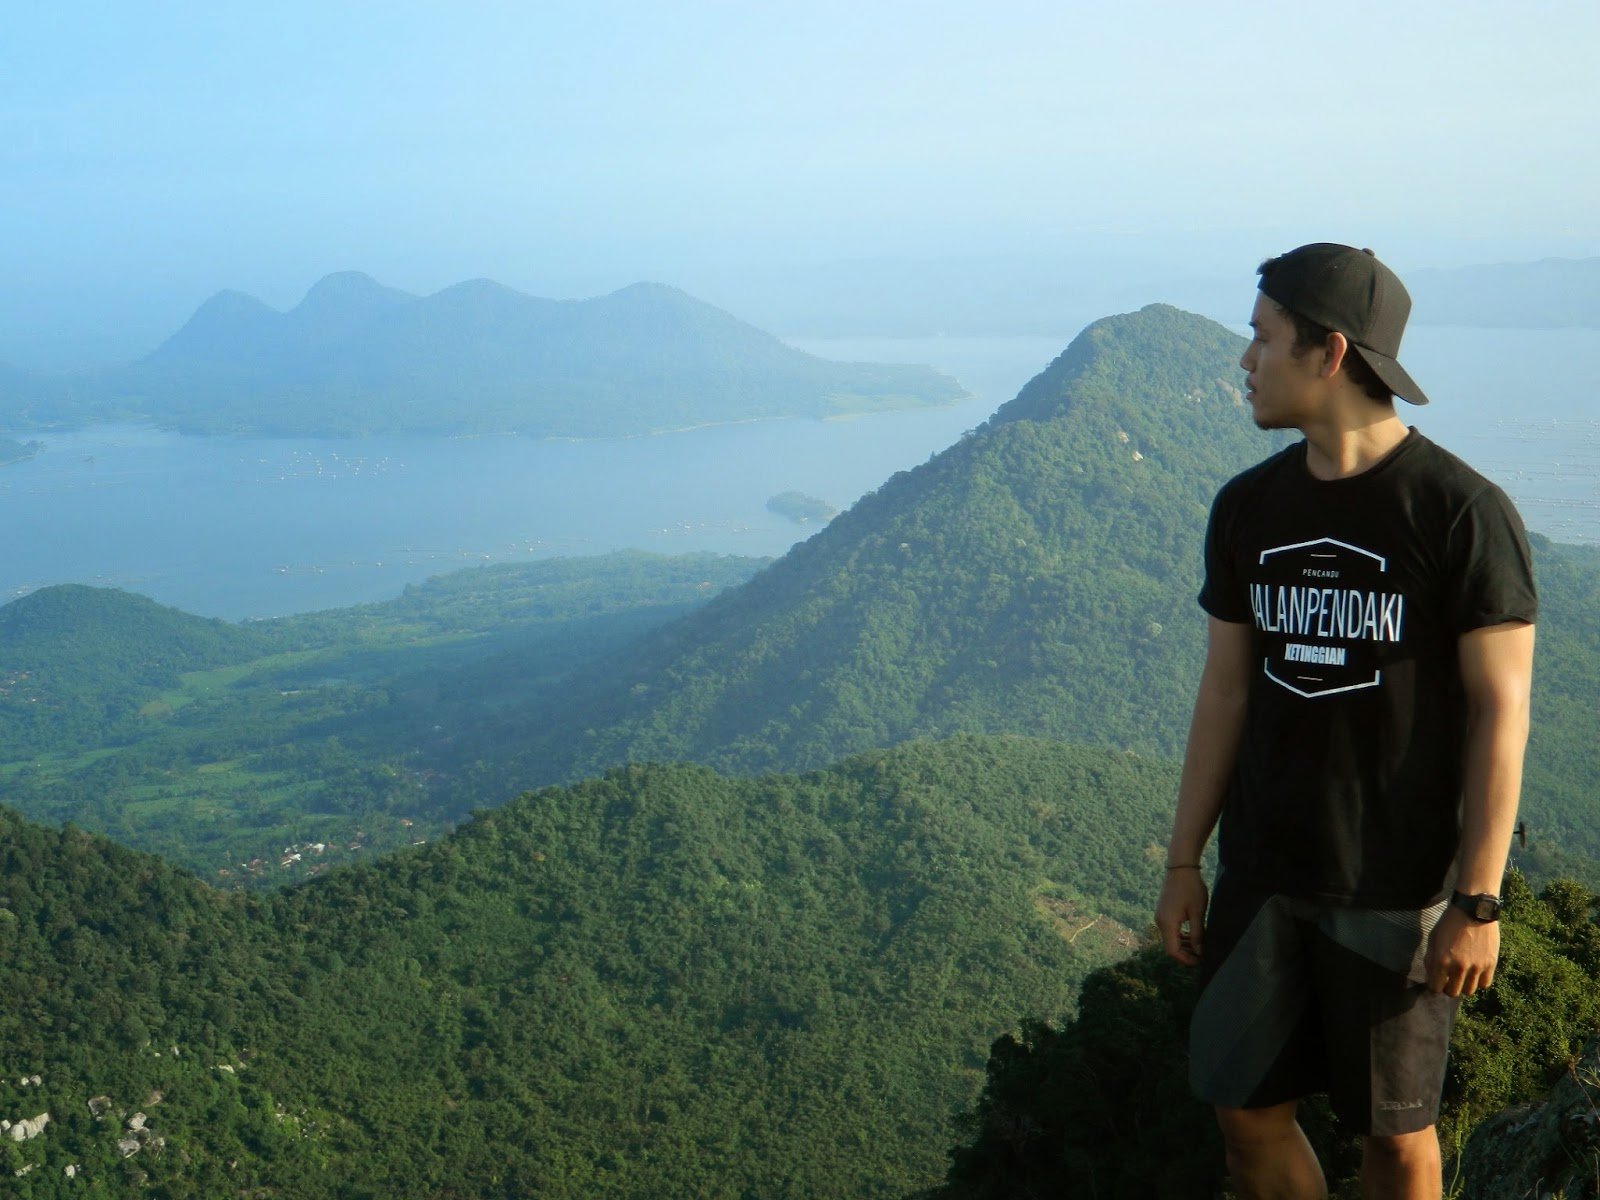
(1549, 1148)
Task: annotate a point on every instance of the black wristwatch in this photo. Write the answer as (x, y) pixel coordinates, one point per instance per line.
(1482, 907)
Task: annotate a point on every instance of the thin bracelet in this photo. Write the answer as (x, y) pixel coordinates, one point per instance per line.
(1183, 866)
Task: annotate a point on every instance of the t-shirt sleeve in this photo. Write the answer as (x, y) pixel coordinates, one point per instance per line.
(1490, 548)
(1223, 593)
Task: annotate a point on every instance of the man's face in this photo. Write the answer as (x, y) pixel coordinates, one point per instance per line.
(1280, 386)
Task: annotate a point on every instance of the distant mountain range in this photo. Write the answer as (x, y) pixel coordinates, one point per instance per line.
(1054, 295)
(355, 357)
(1554, 293)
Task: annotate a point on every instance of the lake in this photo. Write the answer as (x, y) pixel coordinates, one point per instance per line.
(242, 528)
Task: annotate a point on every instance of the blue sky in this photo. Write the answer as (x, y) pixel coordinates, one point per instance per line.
(153, 153)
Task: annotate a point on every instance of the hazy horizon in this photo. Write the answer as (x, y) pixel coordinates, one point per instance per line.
(160, 154)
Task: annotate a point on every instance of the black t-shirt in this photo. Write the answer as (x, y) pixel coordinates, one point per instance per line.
(1348, 782)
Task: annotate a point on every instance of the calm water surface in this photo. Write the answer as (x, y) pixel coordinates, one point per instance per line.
(254, 527)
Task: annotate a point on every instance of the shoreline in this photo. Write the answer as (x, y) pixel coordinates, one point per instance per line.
(147, 428)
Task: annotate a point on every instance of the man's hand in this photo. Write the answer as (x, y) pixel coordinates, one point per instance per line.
(1181, 915)
(1462, 954)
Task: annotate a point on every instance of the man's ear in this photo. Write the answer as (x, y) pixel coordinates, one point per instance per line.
(1333, 352)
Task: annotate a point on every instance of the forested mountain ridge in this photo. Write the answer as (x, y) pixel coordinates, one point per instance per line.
(660, 982)
(1038, 577)
(88, 635)
(75, 660)
(355, 357)
(666, 982)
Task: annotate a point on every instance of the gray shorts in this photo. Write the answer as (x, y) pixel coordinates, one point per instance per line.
(1301, 996)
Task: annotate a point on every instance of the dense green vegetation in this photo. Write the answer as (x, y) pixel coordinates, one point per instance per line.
(272, 749)
(667, 982)
(660, 982)
(1036, 577)
(1039, 578)
(356, 358)
(1101, 1105)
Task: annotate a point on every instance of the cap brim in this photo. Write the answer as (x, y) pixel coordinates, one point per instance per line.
(1394, 376)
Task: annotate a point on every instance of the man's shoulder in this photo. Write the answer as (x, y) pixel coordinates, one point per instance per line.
(1264, 473)
(1454, 480)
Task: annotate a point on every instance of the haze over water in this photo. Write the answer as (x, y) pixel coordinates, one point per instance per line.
(261, 527)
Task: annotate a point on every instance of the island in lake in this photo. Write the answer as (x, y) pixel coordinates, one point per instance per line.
(12, 451)
(355, 358)
(801, 508)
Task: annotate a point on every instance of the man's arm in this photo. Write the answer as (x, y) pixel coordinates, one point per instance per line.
(1214, 733)
(1497, 673)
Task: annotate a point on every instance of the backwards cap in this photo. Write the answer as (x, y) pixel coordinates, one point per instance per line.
(1350, 292)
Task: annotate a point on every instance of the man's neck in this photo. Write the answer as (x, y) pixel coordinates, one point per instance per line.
(1338, 452)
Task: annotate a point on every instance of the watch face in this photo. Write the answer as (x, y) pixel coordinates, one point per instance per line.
(1482, 908)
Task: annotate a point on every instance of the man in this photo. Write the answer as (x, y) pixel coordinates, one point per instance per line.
(1359, 730)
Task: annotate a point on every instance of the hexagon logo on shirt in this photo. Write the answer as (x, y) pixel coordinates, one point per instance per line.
(1326, 616)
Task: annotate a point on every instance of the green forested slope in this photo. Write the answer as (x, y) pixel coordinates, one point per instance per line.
(75, 661)
(661, 982)
(220, 745)
(1560, 800)
(1038, 576)
(664, 982)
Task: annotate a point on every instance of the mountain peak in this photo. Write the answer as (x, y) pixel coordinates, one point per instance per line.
(340, 304)
(230, 304)
(481, 288)
(342, 289)
(229, 323)
(649, 289)
(1149, 358)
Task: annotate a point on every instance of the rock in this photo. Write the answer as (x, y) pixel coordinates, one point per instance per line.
(99, 1106)
(22, 1131)
(1549, 1148)
(136, 1122)
(129, 1146)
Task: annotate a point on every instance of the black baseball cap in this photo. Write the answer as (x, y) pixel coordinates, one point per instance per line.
(1352, 293)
